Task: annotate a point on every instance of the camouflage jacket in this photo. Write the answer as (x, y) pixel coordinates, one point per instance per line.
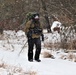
(30, 25)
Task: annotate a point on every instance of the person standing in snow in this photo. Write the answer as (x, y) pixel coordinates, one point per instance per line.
(34, 30)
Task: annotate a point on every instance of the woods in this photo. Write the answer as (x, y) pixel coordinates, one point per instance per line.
(13, 12)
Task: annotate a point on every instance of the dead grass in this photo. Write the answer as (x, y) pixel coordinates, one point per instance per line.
(47, 55)
(63, 57)
(12, 70)
(52, 45)
(69, 56)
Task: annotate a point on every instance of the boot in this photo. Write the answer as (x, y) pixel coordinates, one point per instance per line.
(31, 60)
(38, 60)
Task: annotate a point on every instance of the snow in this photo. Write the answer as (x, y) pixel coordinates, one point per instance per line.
(47, 66)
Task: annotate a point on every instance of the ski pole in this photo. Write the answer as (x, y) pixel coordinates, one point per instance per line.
(22, 48)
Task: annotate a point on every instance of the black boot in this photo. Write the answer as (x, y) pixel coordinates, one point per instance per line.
(31, 60)
(38, 60)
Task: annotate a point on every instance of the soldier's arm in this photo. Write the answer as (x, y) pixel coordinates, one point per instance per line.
(27, 26)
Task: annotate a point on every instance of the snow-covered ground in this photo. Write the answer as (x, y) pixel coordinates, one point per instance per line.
(12, 64)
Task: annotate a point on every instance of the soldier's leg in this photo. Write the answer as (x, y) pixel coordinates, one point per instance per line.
(30, 49)
(38, 48)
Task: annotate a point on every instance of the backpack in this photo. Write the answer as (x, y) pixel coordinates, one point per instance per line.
(29, 16)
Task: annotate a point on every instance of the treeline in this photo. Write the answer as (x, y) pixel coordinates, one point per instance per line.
(13, 12)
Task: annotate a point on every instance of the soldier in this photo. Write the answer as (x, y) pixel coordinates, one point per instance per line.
(34, 31)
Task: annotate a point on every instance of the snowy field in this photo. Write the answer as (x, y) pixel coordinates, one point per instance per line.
(13, 64)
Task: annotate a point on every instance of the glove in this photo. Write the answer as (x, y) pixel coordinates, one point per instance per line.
(42, 37)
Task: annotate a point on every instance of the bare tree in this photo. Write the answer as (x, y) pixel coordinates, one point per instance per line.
(46, 15)
(16, 10)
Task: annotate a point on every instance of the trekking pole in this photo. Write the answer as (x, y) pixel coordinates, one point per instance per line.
(22, 48)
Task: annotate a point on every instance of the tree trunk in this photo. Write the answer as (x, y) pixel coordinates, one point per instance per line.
(46, 16)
